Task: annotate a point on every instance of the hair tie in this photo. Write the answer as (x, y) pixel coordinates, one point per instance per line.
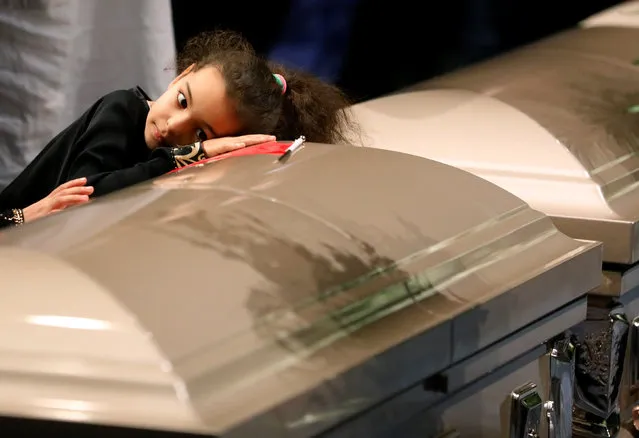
(280, 81)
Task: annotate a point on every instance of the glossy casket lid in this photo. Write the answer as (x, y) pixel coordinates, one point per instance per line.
(555, 123)
(249, 295)
(625, 14)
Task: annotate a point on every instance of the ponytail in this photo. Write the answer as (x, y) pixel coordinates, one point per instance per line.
(313, 108)
(269, 98)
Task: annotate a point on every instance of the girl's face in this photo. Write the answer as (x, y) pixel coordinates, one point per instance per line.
(195, 107)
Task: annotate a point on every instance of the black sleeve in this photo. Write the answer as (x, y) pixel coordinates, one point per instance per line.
(162, 160)
(113, 142)
(107, 182)
(11, 217)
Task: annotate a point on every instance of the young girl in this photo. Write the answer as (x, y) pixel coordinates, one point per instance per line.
(70, 193)
(224, 98)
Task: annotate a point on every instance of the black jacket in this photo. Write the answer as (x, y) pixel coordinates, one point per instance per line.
(106, 145)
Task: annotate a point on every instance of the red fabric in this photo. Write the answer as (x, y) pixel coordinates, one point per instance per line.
(270, 148)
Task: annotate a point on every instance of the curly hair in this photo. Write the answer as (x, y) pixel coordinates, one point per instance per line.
(309, 107)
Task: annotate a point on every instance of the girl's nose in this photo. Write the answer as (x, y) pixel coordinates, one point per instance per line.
(178, 127)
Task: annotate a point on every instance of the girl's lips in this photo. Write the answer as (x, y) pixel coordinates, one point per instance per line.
(158, 137)
(156, 133)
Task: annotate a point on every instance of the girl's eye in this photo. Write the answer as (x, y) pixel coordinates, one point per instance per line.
(181, 98)
(201, 135)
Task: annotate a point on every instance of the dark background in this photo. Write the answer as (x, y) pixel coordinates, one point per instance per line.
(396, 43)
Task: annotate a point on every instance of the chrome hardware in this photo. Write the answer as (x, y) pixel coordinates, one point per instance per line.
(525, 413)
(562, 377)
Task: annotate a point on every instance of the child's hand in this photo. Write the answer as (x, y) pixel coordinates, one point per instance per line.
(217, 146)
(73, 192)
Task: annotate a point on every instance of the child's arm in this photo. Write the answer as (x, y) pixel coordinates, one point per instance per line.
(71, 193)
(165, 159)
(114, 154)
(162, 160)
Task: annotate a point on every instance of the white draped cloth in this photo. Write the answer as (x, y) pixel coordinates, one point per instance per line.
(57, 57)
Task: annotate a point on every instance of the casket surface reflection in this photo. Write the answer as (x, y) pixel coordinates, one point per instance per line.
(252, 298)
(625, 14)
(555, 123)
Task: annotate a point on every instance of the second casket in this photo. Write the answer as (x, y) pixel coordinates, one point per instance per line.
(557, 124)
(252, 297)
(625, 14)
